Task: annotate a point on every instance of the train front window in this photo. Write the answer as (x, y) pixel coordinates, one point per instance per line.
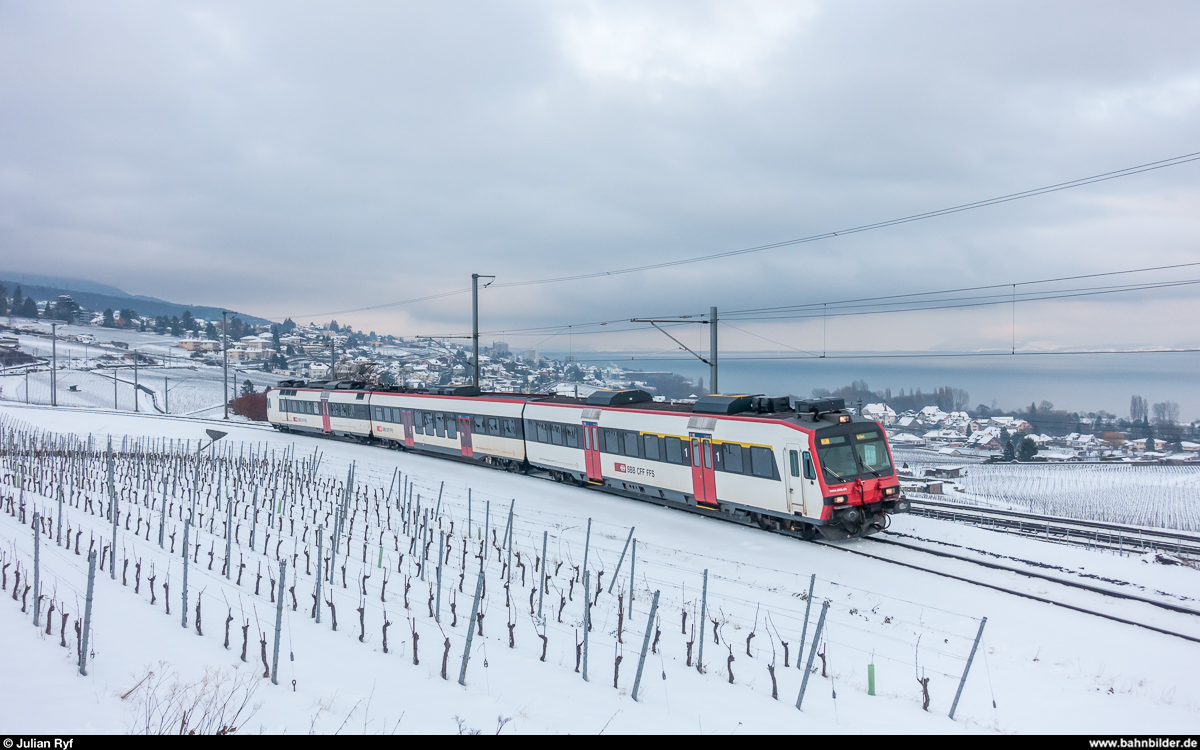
(837, 458)
(872, 453)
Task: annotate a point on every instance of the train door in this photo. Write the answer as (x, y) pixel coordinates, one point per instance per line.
(464, 434)
(325, 413)
(792, 479)
(801, 477)
(591, 452)
(406, 418)
(704, 477)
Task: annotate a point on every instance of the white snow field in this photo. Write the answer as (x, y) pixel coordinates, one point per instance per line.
(176, 384)
(1040, 668)
(1138, 494)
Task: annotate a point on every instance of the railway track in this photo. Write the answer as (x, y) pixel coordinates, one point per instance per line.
(1166, 617)
(1092, 534)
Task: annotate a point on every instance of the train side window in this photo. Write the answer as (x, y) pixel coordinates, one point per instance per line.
(762, 463)
(733, 458)
(510, 428)
(630, 440)
(419, 421)
(439, 424)
(674, 450)
(542, 436)
(556, 434)
(810, 471)
(612, 442)
(429, 423)
(571, 435)
(477, 423)
(493, 426)
(794, 462)
(651, 446)
(695, 452)
(452, 425)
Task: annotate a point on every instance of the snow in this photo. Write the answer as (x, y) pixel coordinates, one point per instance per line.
(1047, 668)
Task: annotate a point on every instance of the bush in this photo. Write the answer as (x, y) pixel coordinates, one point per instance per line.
(252, 406)
(218, 703)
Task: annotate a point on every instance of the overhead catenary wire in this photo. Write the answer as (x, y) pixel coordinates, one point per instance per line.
(997, 200)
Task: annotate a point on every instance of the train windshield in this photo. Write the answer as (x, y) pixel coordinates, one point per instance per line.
(837, 458)
(872, 453)
(849, 456)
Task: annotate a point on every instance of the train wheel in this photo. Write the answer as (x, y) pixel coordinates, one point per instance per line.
(808, 532)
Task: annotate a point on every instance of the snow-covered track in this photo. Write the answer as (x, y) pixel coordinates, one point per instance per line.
(1072, 595)
(1097, 534)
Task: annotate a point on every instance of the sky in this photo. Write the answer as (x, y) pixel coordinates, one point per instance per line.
(313, 159)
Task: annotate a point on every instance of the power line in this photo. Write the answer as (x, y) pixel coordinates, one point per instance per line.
(904, 355)
(1103, 177)
(793, 312)
(1150, 166)
(1005, 285)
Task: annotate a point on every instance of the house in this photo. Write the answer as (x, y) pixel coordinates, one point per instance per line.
(945, 472)
(881, 413)
(199, 345)
(986, 439)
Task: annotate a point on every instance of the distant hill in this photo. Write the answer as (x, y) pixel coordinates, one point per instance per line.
(98, 297)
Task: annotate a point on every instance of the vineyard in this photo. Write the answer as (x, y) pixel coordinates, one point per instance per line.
(1142, 495)
(440, 591)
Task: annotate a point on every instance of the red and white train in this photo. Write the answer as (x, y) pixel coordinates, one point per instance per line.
(807, 467)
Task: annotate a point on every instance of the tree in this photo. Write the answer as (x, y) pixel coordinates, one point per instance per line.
(1150, 443)
(1028, 450)
(17, 302)
(1166, 413)
(129, 316)
(30, 309)
(289, 325)
(187, 321)
(3, 300)
(210, 331)
(247, 387)
(1005, 436)
(1009, 454)
(1137, 409)
(109, 319)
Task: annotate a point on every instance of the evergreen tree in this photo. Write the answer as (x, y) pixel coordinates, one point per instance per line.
(1150, 443)
(109, 320)
(30, 309)
(210, 331)
(1009, 454)
(247, 387)
(17, 302)
(1029, 449)
(187, 321)
(3, 300)
(289, 325)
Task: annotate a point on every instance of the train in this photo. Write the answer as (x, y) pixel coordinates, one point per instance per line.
(808, 467)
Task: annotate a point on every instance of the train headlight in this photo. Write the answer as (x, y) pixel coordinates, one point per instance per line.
(844, 419)
(839, 499)
(889, 491)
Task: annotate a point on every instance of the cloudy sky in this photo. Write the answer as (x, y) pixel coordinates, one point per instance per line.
(306, 159)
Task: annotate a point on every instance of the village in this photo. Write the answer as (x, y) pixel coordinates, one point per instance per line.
(323, 352)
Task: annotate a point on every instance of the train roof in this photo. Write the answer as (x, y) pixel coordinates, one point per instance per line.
(756, 405)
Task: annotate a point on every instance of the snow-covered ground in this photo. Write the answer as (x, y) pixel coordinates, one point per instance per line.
(177, 384)
(1135, 494)
(1045, 668)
